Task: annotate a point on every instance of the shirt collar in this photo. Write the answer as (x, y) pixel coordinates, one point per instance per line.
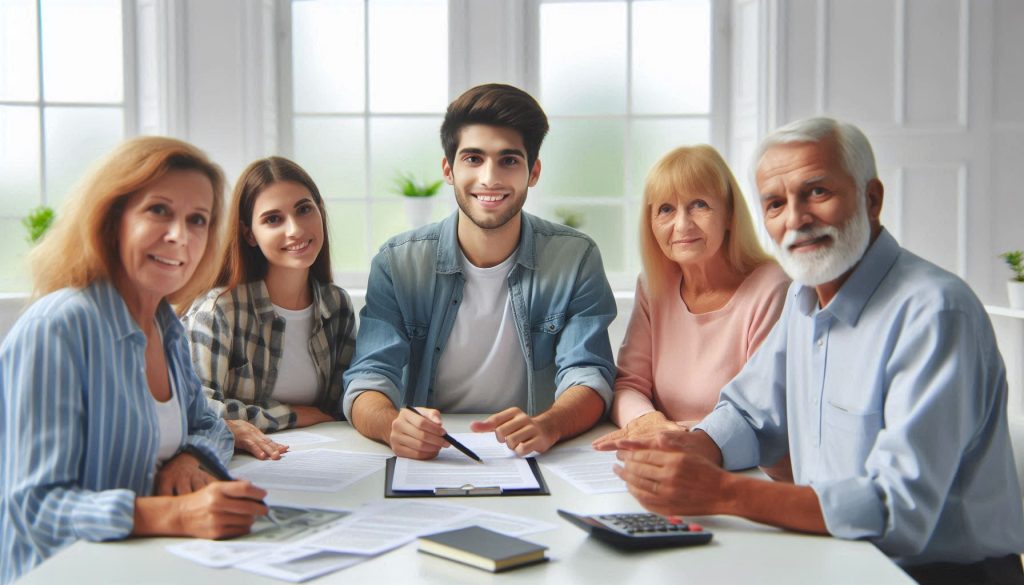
(124, 324)
(853, 296)
(448, 258)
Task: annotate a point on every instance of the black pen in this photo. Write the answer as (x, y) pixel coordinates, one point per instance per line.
(453, 442)
(220, 473)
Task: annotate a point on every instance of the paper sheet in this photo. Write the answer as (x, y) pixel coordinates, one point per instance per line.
(300, 438)
(298, 564)
(485, 445)
(512, 473)
(587, 470)
(377, 528)
(315, 470)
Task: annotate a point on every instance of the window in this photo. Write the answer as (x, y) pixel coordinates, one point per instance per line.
(62, 105)
(368, 90)
(620, 91)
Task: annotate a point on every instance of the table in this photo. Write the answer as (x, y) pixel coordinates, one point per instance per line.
(741, 552)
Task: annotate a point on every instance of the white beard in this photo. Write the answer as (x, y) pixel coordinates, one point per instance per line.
(827, 263)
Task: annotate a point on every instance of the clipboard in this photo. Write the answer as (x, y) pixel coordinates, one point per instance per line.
(466, 490)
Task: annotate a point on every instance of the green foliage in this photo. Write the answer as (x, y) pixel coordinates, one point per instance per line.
(1015, 260)
(409, 186)
(569, 217)
(37, 222)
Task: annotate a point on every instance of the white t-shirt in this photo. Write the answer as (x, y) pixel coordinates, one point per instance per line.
(168, 416)
(482, 368)
(297, 381)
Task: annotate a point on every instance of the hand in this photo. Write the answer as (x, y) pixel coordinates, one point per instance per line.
(307, 416)
(674, 482)
(415, 436)
(220, 510)
(251, 439)
(645, 425)
(522, 433)
(181, 475)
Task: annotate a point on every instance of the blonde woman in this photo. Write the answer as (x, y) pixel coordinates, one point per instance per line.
(103, 419)
(707, 298)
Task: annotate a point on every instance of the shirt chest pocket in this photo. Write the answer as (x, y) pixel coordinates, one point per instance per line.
(544, 336)
(241, 382)
(415, 330)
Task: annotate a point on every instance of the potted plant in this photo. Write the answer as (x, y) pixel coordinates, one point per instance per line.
(419, 198)
(1015, 286)
(37, 222)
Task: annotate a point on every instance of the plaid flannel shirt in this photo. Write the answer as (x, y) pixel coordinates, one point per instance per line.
(237, 339)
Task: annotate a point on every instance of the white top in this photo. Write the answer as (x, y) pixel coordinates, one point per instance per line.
(168, 416)
(482, 368)
(297, 382)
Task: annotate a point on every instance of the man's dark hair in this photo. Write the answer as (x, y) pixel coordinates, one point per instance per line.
(495, 104)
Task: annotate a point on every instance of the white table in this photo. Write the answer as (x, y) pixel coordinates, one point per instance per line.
(741, 552)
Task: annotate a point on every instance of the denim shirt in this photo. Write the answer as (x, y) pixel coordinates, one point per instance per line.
(560, 297)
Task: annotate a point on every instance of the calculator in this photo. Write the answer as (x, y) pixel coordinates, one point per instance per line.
(640, 531)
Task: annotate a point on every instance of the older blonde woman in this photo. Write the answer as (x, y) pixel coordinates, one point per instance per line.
(706, 300)
(103, 420)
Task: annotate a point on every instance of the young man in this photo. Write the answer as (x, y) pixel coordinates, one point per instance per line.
(881, 379)
(492, 310)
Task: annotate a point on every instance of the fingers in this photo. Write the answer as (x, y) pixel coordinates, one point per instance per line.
(416, 437)
(606, 442)
(238, 489)
(495, 420)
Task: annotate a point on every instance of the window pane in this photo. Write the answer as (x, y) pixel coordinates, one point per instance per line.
(583, 158)
(347, 230)
(583, 58)
(19, 160)
(408, 56)
(403, 145)
(388, 220)
(82, 60)
(671, 56)
(333, 152)
(328, 64)
(652, 139)
(75, 139)
(14, 273)
(19, 57)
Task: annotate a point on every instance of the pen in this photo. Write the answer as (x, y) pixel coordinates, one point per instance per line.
(219, 473)
(453, 442)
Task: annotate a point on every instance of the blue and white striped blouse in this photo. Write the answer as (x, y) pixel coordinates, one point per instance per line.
(80, 431)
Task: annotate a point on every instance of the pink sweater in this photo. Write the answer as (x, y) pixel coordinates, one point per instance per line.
(677, 362)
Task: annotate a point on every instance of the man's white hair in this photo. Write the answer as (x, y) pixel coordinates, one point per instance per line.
(855, 152)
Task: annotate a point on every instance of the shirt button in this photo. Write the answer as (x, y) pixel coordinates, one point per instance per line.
(821, 342)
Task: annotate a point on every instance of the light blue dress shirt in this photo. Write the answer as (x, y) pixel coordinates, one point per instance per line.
(891, 401)
(80, 431)
(560, 297)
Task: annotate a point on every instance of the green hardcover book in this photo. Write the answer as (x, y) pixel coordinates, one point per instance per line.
(482, 548)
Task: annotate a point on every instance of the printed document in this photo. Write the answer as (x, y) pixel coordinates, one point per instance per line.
(315, 470)
(587, 470)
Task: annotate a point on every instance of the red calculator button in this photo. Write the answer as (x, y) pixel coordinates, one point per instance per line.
(694, 527)
(674, 519)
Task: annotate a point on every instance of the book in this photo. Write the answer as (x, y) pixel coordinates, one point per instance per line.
(482, 548)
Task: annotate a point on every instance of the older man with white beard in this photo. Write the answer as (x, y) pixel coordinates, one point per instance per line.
(882, 380)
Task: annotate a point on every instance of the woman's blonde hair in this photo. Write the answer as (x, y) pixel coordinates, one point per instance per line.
(696, 169)
(82, 246)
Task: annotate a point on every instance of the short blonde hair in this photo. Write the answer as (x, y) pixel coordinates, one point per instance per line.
(696, 169)
(81, 247)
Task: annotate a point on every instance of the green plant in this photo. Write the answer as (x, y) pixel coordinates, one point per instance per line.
(409, 186)
(1015, 260)
(37, 222)
(569, 217)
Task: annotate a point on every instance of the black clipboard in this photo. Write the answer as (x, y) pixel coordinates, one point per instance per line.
(472, 491)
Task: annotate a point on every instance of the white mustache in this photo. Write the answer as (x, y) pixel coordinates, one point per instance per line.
(793, 236)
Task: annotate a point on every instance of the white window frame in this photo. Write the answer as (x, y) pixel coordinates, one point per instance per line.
(128, 104)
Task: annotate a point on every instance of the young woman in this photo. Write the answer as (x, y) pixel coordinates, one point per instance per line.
(102, 420)
(271, 342)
